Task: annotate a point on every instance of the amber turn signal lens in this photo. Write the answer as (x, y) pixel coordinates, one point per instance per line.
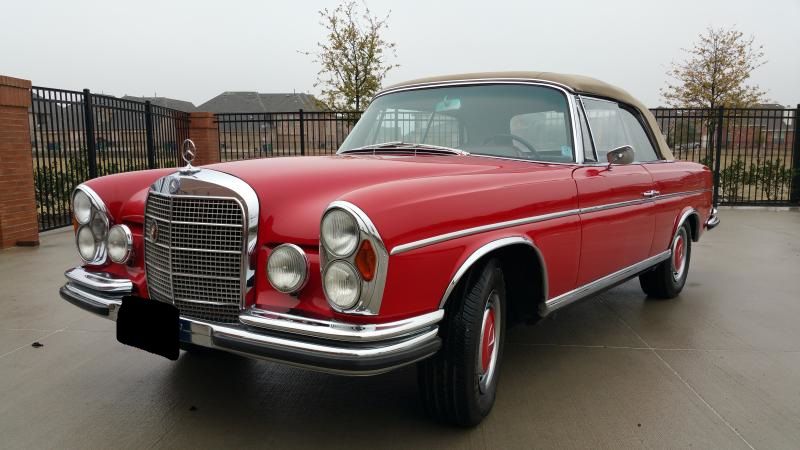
(366, 261)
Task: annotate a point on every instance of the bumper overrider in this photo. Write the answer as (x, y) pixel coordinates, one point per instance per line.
(713, 219)
(329, 346)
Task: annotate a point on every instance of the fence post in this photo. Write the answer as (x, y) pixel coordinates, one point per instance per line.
(794, 196)
(204, 131)
(302, 134)
(718, 154)
(148, 127)
(88, 125)
(18, 216)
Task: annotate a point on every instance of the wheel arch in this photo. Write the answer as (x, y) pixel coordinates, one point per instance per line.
(692, 217)
(520, 258)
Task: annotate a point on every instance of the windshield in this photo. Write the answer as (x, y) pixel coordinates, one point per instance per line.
(515, 121)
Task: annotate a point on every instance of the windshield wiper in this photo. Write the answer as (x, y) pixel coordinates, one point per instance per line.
(393, 145)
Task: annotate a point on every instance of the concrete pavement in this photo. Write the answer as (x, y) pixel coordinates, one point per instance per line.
(718, 367)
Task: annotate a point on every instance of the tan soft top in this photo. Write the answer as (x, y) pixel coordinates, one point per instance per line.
(576, 83)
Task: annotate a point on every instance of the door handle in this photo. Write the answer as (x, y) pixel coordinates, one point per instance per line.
(650, 194)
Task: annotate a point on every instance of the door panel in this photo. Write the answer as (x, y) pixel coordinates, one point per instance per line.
(676, 182)
(616, 219)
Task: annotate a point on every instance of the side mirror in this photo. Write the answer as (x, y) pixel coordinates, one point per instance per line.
(620, 155)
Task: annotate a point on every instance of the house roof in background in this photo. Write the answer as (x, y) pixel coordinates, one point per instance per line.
(166, 102)
(769, 106)
(256, 102)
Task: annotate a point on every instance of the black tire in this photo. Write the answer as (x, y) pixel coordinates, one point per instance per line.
(666, 280)
(455, 388)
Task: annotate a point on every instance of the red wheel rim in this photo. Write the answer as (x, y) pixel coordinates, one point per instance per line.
(678, 256)
(488, 344)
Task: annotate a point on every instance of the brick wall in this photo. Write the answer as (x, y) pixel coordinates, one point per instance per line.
(18, 221)
(205, 135)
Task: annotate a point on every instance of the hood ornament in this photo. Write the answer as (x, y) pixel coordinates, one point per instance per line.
(188, 154)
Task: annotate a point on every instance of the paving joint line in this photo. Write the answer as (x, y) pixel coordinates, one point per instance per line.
(27, 345)
(679, 377)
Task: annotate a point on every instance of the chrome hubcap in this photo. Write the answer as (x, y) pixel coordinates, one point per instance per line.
(489, 346)
(679, 254)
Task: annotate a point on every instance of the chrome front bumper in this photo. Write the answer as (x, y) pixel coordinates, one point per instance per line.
(713, 219)
(329, 346)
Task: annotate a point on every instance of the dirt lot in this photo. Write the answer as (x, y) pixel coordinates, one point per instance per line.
(719, 367)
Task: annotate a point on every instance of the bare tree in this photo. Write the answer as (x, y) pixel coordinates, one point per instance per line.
(354, 57)
(715, 72)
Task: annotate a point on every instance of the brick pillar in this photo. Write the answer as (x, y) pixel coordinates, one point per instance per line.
(203, 131)
(18, 219)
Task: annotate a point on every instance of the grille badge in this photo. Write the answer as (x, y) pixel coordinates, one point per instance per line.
(152, 232)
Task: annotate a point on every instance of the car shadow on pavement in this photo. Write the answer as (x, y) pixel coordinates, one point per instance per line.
(257, 399)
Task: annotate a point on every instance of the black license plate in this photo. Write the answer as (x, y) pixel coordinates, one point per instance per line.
(149, 325)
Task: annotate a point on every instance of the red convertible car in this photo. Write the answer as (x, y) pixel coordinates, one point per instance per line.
(456, 207)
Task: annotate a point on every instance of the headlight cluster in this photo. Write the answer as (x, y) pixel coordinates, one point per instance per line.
(94, 237)
(349, 260)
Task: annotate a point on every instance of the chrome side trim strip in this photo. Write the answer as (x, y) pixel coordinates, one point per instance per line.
(99, 281)
(680, 194)
(486, 249)
(340, 331)
(481, 229)
(598, 285)
(605, 207)
(402, 248)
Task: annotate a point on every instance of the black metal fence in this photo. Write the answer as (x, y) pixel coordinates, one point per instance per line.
(753, 152)
(259, 135)
(77, 136)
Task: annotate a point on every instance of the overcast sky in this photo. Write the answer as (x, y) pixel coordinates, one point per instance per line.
(193, 50)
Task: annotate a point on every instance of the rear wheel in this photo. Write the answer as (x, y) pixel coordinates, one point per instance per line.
(459, 383)
(667, 279)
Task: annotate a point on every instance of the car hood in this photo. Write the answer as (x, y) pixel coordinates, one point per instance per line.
(405, 196)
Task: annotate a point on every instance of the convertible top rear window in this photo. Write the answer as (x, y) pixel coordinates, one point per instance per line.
(507, 120)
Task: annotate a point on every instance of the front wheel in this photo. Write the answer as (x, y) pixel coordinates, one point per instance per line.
(667, 279)
(459, 384)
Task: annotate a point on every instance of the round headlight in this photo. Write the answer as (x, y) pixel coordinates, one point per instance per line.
(342, 285)
(82, 207)
(87, 245)
(120, 242)
(287, 268)
(340, 233)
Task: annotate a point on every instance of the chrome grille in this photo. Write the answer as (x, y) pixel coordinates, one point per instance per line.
(195, 260)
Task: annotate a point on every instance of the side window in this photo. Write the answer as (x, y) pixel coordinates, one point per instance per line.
(614, 127)
(642, 147)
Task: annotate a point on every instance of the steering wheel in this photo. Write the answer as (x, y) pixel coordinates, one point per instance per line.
(522, 141)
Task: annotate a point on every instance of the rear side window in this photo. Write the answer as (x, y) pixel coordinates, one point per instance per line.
(613, 127)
